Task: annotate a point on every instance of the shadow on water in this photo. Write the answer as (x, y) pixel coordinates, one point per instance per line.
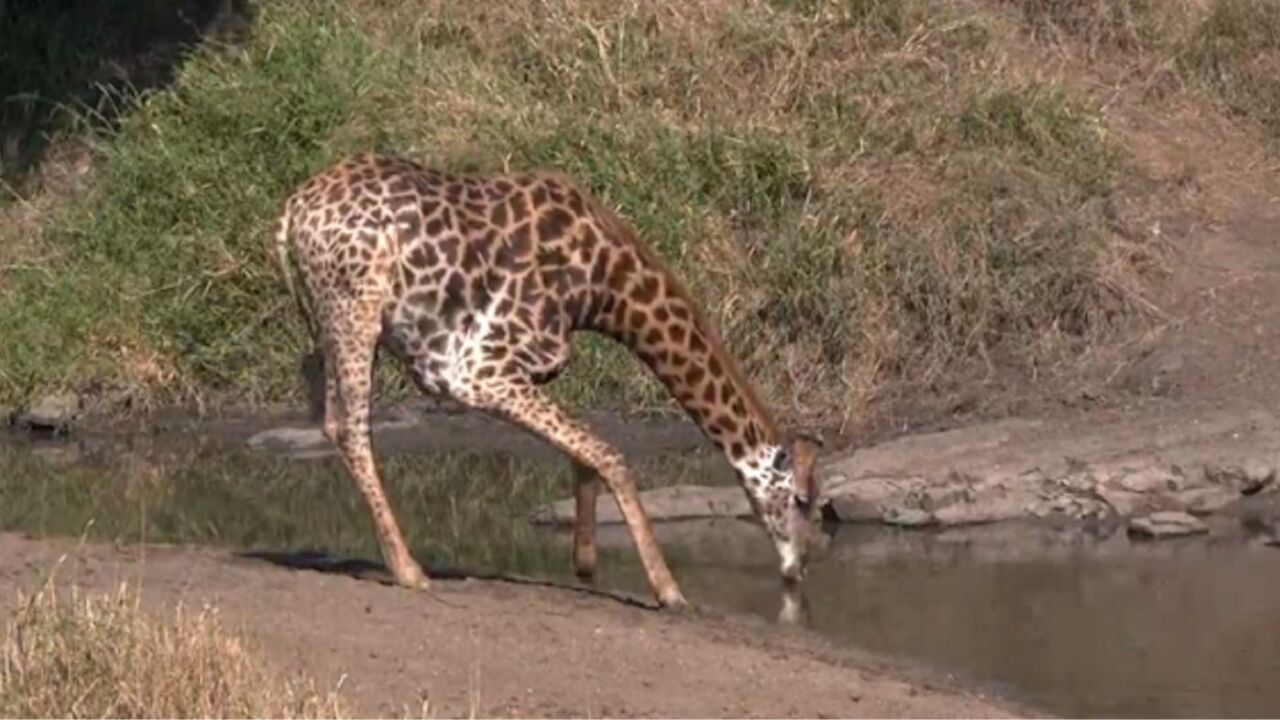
(1079, 623)
(84, 57)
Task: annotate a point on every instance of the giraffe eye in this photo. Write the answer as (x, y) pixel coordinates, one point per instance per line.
(800, 502)
(782, 461)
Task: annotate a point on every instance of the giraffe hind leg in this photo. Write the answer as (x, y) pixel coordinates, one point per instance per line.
(350, 354)
(333, 412)
(315, 373)
(586, 487)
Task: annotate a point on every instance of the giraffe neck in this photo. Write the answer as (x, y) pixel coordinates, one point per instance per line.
(643, 306)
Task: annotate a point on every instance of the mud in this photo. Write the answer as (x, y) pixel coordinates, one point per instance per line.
(502, 649)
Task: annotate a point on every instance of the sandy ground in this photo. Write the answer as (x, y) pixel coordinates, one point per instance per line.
(501, 648)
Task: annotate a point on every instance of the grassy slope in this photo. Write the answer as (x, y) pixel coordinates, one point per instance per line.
(868, 194)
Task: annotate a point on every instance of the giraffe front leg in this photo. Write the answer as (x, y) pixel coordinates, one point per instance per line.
(586, 486)
(520, 402)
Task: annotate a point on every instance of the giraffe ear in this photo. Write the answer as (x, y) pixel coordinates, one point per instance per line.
(810, 439)
(806, 461)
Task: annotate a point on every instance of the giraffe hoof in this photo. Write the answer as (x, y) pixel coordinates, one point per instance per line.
(413, 579)
(673, 600)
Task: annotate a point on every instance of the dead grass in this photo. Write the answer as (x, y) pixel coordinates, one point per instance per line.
(1235, 54)
(70, 654)
(872, 197)
(1108, 26)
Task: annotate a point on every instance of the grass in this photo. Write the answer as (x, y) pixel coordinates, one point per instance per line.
(103, 655)
(870, 196)
(64, 63)
(1230, 48)
(1235, 54)
(1117, 25)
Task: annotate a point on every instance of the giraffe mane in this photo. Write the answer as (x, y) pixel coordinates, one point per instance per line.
(615, 224)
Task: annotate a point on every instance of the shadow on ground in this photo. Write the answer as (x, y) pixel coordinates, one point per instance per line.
(368, 570)
(82, 58)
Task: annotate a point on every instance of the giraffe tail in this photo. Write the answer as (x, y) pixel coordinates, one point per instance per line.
(289, 270)
(311, 366)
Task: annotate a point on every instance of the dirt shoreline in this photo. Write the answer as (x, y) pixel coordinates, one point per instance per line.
(504, 649)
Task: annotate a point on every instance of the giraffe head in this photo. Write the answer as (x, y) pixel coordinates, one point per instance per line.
(787, 499)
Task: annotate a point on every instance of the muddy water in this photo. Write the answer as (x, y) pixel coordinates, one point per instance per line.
(1079, 623)
(1075, 623)
(458, 510)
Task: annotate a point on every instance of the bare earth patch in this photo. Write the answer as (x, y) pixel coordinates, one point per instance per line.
(502, 649)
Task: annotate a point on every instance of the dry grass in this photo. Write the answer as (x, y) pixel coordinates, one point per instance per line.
(1107, 26)
(70, 654)
(1235, 53)
(872, 196)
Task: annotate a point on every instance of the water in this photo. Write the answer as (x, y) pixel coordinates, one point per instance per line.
(456, 509)
(1078, 623)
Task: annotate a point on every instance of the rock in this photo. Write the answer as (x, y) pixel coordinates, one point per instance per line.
(678, 502)
(52, 413)
(1166, 525)
(1075, 507)
(854, 508)
(867, 499)
(983, 510)
(299, 442)
(907, 517)
(1258, 474)
(993, 498)
(1123, 503)
(1247, 477)
(1080, 470)
(1206, 500)
(849, 506)
(940, 497)
(1148, 479)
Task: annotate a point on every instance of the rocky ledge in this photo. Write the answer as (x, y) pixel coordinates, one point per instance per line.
(1159, 472)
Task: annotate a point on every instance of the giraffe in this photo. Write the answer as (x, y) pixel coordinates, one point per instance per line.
(476, 283)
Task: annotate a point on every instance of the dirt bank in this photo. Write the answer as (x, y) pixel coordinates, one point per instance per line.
(503, 649)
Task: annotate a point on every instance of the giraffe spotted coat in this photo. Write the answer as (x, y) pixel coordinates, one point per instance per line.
(477, 284)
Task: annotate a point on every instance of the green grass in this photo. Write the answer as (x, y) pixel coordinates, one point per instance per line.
(164, 259)
(61, 63)
(868, 196)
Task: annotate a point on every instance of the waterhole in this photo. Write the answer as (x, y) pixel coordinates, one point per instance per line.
(1079, 623)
